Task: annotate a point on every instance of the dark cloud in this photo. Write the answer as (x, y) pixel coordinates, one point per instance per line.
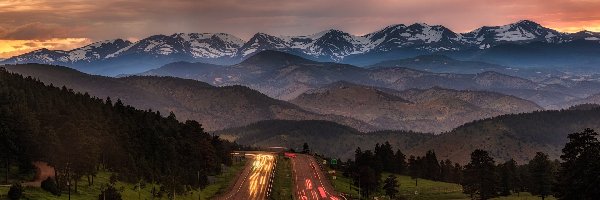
(31, 44)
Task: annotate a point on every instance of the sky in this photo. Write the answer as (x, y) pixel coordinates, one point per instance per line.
(26, 25)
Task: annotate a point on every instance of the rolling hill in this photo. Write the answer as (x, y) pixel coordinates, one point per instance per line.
(285, 76)
(516, 136)
(433, 110)
(323, 137)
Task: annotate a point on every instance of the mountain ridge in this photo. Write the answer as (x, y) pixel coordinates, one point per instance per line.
(112, 57)
(216, 107)
(433, 110)
(284, 76)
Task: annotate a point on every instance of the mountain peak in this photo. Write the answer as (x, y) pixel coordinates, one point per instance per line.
(420, 24)
(526, 22)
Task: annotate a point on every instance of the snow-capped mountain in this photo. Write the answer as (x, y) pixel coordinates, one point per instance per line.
(89, 53)
(392, 42)
(260, 42)
(585, 35)
(419, 35)
(521, 32)
(194, 45)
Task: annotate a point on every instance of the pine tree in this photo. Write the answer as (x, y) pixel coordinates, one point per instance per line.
(400, 160)
(431, 165)
(305, 148)
(414, 168)
(508, 177)
(542, 175)
(480, 179)
(390, 186)
(578, 176)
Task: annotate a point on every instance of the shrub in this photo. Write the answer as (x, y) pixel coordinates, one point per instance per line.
(50, 185)
(110, 193)
(15, 192)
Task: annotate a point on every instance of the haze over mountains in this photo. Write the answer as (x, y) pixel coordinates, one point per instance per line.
(431, 111)
(232, 106)
(286, 76)
(521, 44)
(215, 107)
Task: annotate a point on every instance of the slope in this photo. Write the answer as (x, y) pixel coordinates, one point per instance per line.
(433, 110)
(216, 107)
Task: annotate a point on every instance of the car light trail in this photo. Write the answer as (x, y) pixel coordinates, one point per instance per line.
(258, 180)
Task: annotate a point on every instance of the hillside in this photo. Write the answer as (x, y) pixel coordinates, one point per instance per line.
(516, 136)
(276, 74)
(71, 131)
(216, 107)
(592, 99)
(285, 76)
(442, 64)
(433, 110)
(323, 137)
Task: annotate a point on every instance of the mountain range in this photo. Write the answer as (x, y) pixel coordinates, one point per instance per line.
(218, 107)
(285, 76)
(533, 44)
(348, 111)
(516, 136)
(215, 107)
(431, 110)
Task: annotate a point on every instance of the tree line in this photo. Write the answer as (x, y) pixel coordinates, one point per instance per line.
(79, 135)
(575, 176)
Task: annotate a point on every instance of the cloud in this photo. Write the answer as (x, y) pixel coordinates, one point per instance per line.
(10, 48)
(33, 31)
(30, 44)
(108, 19)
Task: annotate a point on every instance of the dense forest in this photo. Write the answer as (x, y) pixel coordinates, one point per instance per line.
(78, 135)
(324, 137)
(575, 176)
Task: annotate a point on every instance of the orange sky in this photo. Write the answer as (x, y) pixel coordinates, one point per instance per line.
(27, 25)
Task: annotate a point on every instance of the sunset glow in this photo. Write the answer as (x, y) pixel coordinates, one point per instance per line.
(24, 21)
(10, 48)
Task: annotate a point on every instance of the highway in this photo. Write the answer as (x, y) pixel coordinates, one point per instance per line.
(310, 182)
(255, 181)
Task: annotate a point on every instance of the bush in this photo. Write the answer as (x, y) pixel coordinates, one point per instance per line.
(50, 185)
(110, 193)
(15, 192)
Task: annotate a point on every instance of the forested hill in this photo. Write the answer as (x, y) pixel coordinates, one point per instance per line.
(64, 128)
(516, 136)
(324, 137)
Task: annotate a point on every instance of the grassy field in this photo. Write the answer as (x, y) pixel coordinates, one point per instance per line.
(344, 185)
(282, 184)
(426, 189)
(128, 190)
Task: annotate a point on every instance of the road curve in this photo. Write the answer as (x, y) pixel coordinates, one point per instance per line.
(255, 180)
(310, 182)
